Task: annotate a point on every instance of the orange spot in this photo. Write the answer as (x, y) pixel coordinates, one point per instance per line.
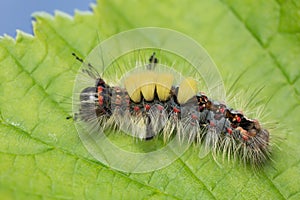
(100, 100)
(136, 108)
(245, 137)
(194, 116)
(229, 130)
(238, 119)
(176, 110)
(147, 107)
(160, 108)
(100, 89)
(222, 110)
(100, 97)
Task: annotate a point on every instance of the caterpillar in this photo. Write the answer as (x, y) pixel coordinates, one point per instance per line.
(149, 104)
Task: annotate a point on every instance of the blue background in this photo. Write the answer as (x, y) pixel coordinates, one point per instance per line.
(16, 14)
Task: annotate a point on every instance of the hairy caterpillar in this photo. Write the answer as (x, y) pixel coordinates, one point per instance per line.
(149, 103)
(160, 104)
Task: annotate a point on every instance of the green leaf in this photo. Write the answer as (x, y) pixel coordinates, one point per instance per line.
(41, 155)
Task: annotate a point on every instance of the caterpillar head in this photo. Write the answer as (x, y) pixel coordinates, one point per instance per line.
(95, 100)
